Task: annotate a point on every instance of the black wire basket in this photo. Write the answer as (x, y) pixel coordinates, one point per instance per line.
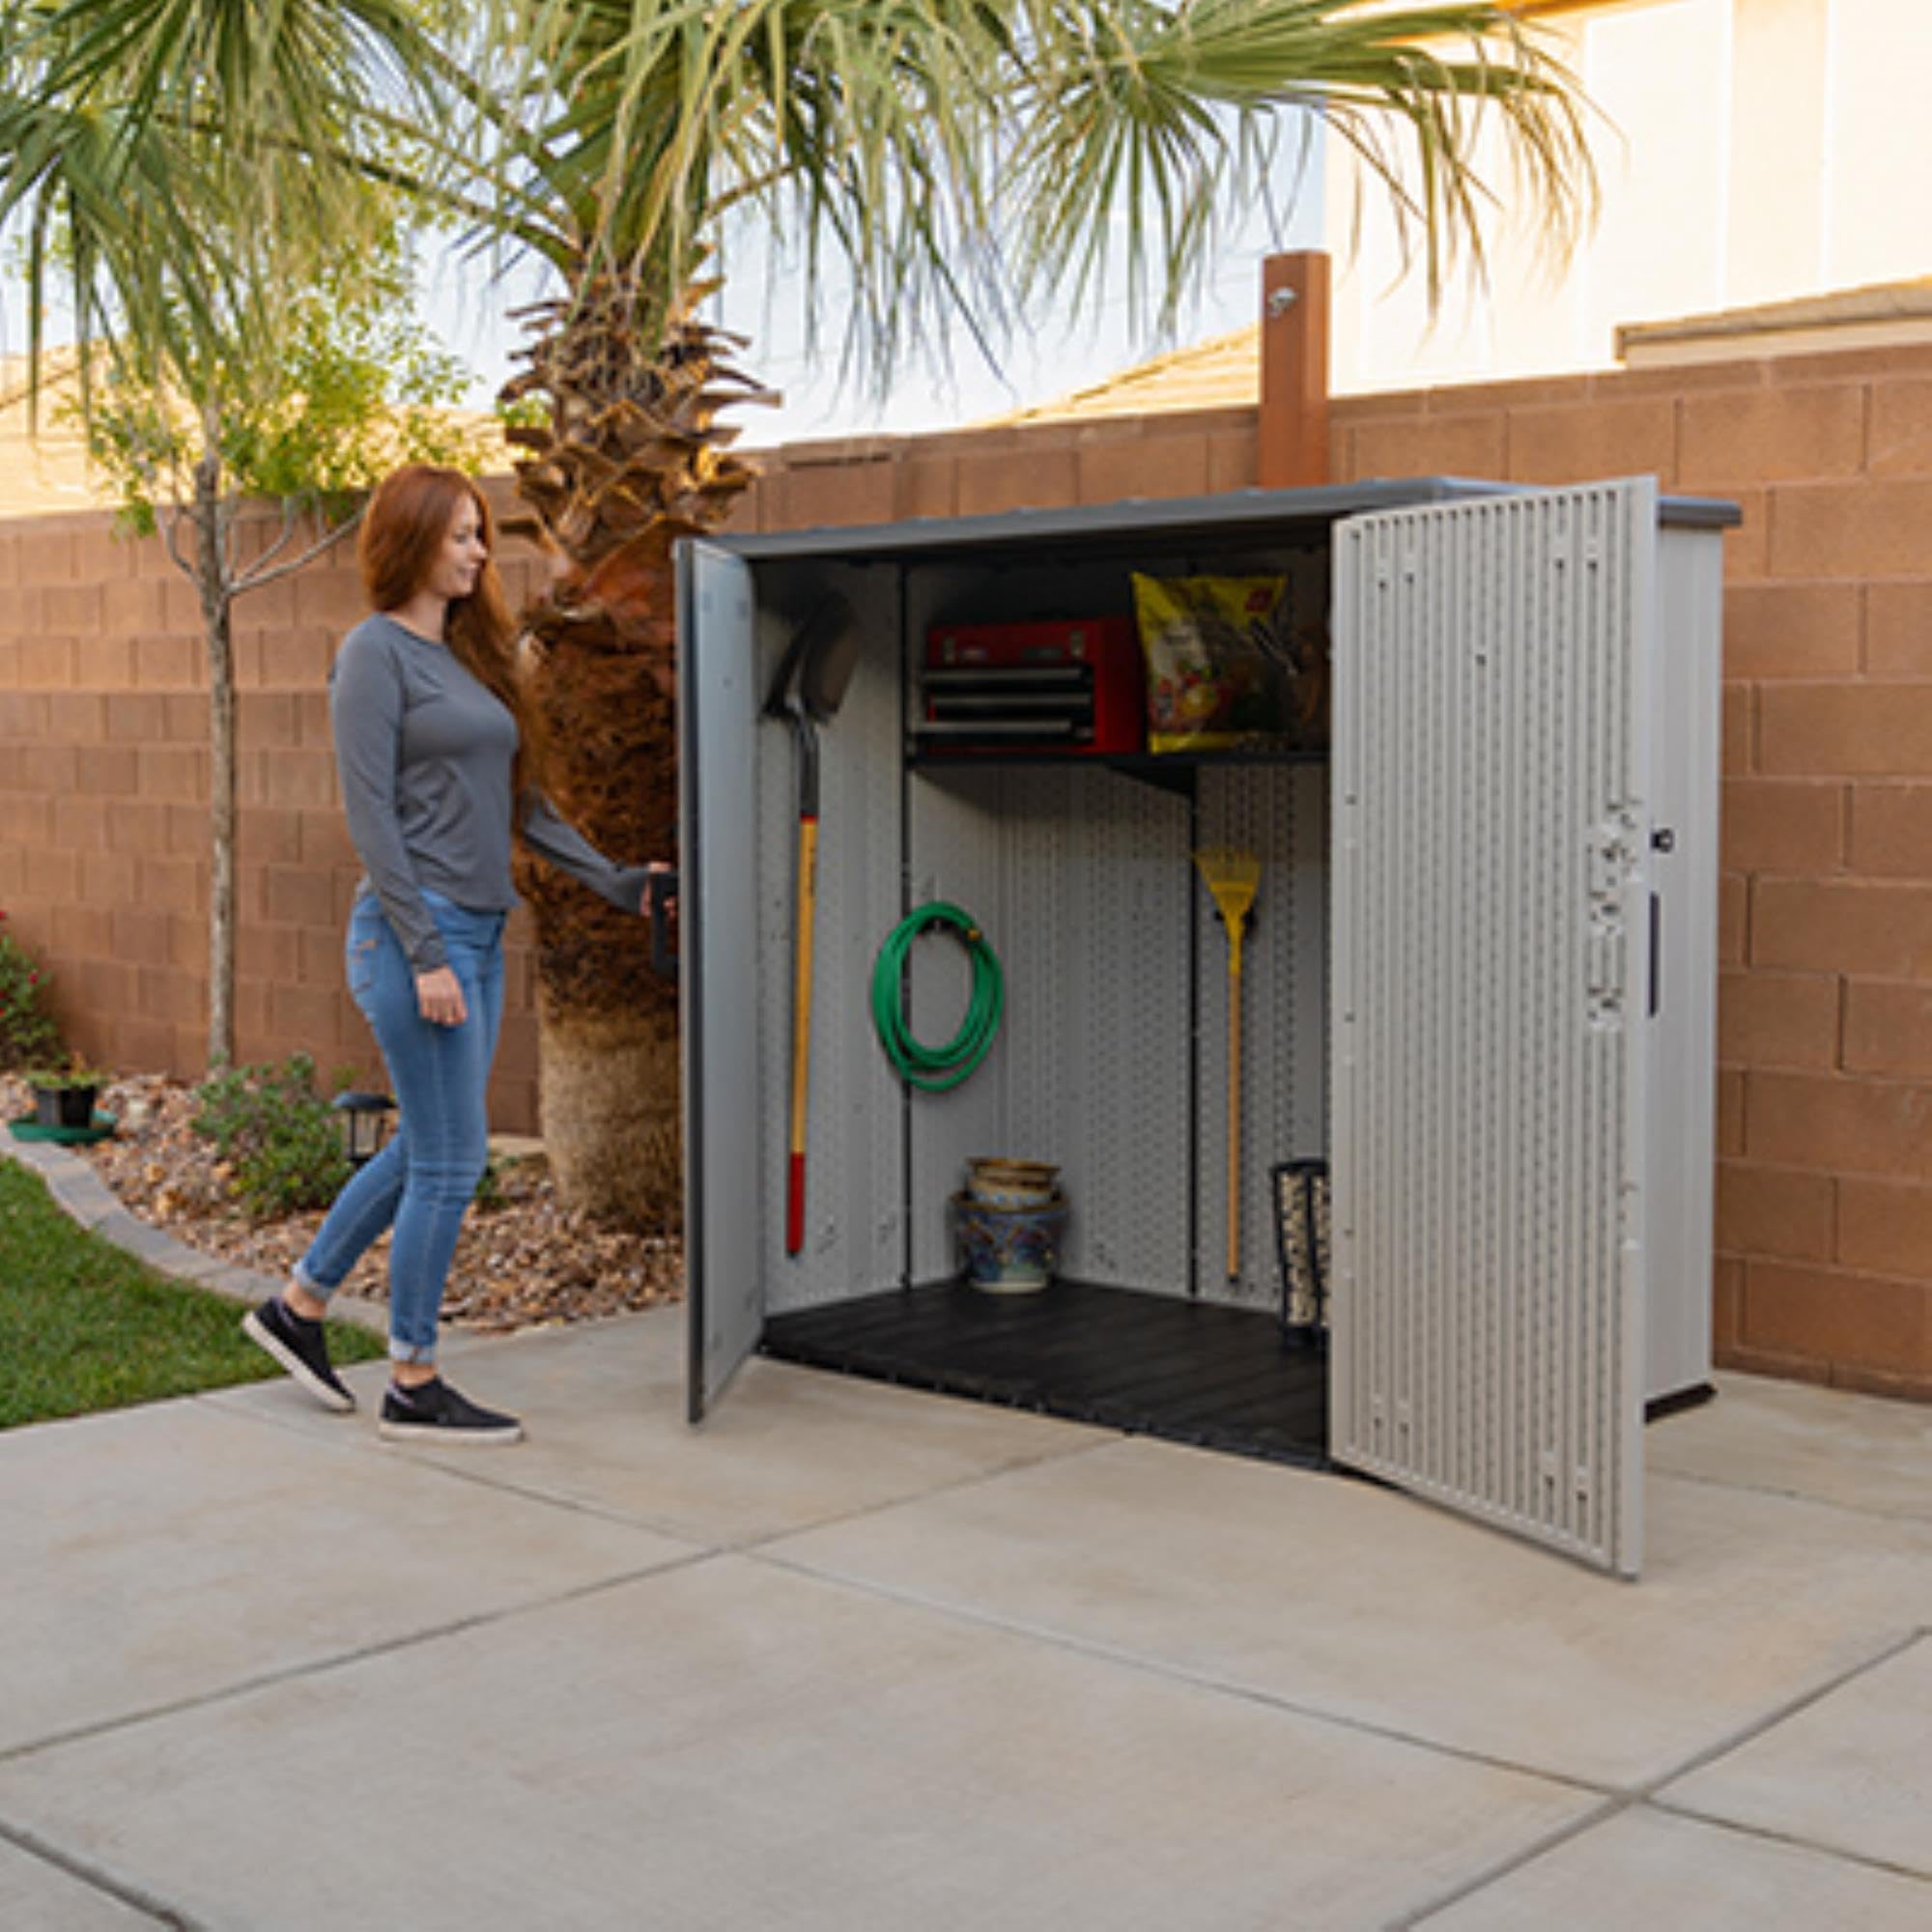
(1301, 1246)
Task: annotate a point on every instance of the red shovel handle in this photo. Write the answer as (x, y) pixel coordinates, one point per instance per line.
(801, 1031)
(795, 1205)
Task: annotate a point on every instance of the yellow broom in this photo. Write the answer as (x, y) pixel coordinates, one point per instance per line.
(1231, 876)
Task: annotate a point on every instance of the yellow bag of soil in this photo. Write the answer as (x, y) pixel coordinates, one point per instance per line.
(1219, 662)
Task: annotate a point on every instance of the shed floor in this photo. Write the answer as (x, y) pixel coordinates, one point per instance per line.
(1193, 1372)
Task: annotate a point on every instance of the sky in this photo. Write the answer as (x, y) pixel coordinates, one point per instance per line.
(466, 304)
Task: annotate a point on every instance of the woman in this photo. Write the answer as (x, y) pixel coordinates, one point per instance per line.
(432, 747)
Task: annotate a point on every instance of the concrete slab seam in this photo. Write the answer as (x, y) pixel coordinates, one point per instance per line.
(484, 1478)
(362, 1442)
(1171, 1673)
(322, 1666)
(1784, 1495)
(1788, 1710)
(1541, 1847)
(1922, 1874)
(1644, 1796)
(975, 1479)
(1679, 1808)
(120, 1890)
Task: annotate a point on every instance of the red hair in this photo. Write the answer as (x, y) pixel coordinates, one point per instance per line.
(407, 520)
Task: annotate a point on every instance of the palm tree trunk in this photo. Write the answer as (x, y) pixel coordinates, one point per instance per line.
(609, 1023)
(632, 460)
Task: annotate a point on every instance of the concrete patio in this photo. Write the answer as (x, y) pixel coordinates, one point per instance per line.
(856, 1657)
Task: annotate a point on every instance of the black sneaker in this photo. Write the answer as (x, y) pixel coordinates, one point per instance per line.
(434, 1412)
(301, 1348)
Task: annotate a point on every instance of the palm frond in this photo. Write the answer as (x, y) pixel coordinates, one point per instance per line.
(989, 158)
(936, 160)
(176, 160)
(1164, 115)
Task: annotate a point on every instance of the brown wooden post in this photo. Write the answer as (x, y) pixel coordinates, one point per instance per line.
(1295, 371)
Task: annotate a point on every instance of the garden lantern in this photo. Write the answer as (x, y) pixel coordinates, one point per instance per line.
(365, 1124)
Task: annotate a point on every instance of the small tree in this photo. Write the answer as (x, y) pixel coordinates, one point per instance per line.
(351, 387)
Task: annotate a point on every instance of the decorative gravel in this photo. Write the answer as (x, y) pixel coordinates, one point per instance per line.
(527, 1264)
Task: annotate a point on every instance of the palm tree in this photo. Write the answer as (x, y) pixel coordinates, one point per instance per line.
(165, 163)
(944, 161)
(949, 162)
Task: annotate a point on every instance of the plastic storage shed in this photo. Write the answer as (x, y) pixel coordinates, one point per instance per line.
(1480, 982)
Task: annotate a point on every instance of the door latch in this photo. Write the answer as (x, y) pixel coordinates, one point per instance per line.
(1656, 953)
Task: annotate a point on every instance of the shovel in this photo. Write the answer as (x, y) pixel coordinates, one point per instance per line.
(807, 690)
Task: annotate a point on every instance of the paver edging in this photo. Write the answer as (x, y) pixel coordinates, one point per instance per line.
(87, 1200)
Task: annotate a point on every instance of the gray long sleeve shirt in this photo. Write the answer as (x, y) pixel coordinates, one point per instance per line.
(424, 753)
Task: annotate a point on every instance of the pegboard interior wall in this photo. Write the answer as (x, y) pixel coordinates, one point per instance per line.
(855, 1157)
(1111, 1059)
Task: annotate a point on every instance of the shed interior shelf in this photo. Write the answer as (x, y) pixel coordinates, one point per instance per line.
(1167, 771)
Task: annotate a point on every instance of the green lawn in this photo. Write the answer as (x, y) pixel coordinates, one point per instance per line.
(84, 1327)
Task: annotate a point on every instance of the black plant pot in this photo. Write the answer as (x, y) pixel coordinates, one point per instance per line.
(64, 1106)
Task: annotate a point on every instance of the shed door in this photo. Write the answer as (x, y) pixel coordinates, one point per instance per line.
(717, 723)
(1491, 934)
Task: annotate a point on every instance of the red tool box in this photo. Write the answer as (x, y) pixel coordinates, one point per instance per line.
(1072, 685)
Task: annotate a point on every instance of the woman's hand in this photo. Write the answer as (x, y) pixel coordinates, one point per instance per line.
(440, 996)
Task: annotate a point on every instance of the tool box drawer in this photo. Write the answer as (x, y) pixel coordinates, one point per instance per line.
(1075, 685)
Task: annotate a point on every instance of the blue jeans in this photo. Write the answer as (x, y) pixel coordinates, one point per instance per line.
(426, 1177)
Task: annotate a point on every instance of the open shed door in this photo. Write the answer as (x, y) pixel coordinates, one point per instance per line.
(718, 913)
(1493, 936)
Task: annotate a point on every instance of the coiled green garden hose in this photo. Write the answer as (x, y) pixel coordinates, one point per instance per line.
(936, 1069)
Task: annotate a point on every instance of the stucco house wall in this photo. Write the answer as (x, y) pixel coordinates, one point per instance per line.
(1747, 152)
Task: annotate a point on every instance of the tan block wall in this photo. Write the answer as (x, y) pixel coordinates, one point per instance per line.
(1825, 1006)
(104, 808)
(1824, 1268)
(103, 744)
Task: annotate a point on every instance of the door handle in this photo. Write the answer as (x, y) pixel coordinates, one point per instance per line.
(660, 892)
(1655, 953)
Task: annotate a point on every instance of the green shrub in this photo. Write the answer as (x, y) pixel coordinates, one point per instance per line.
(28, 1035)
(279, 1133)
(490, 1197)
(74, 1073)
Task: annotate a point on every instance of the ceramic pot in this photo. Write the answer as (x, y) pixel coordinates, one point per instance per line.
(1010, 1250)
(1012, 1184)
